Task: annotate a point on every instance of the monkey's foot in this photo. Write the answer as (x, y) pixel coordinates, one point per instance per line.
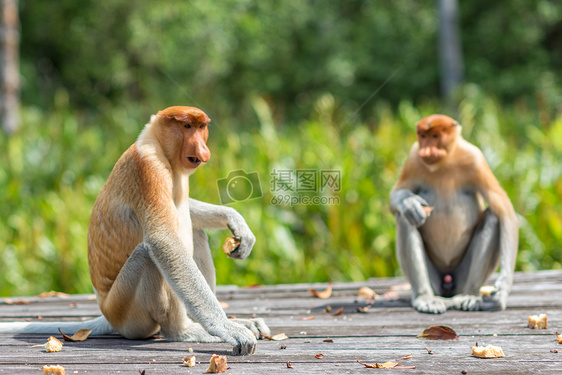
(465, 302)
(256, 325)
(430, 304)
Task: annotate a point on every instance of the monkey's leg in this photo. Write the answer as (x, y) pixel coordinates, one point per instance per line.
(141, 302)
(418, 269)
(203, 257)
(479, 262)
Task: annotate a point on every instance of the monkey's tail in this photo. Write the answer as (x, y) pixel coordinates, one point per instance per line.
(99, 326)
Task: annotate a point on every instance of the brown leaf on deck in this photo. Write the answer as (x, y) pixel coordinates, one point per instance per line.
(289, 365)
(217, 364)
(188, 361)
(9, 301)
(52, 293)
(429, 351)
(319, 356)
(323, 294)
(339, 312)
(391, 295)
(559, 338)
(409, 356)
(307, 318)
(391, 365)
(439, 333)
(277, 337)
(328, 340)
(363, 309)
(366, 292)
(81, 335)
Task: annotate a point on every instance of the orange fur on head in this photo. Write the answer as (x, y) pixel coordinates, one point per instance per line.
(189, 115)
(434, 122)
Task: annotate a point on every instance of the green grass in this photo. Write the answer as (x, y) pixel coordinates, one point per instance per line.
(52, 170)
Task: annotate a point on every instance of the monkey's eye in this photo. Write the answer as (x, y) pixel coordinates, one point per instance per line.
(202, 127)
(423, 135)
(187, 126)
(435, 135)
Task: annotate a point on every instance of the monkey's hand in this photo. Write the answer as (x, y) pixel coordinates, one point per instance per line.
(209, 216)
(410, 206)
(243, 340)
(256, 325)
(240, 229)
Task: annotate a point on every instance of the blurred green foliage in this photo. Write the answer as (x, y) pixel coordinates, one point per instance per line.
(289, 85)
(56, 165)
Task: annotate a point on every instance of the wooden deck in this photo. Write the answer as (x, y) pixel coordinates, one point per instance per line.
(385, 332)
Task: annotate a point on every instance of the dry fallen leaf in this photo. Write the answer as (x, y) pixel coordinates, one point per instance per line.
(81, 335)
(391, 295)
(366, 292)
(319, 356)
(52, 293)
(52, 345)
(429, 351)
(188, 361)
(277, 337)
(409, 356)
(307, 318)
(289, 365)
(392, 365)
(363, 309)
(328, 340)
(339, 312)
(439, 333)
(324, 294)
(217, 364)
(487, 351)
(53, 370)
(559, 338)
(538, 321)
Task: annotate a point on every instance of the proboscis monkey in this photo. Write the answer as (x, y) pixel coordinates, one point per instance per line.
(150, 262)
(448, 242)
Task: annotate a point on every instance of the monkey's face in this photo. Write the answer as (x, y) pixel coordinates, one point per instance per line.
(188, 129)
(436, 134)
(194, 150)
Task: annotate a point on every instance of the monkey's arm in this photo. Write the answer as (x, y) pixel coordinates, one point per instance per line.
(210, 216)
(499, 203)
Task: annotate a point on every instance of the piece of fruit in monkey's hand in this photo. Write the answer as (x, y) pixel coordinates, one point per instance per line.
(427, 210)
(230, 245)
(538, 321)
(487, 290)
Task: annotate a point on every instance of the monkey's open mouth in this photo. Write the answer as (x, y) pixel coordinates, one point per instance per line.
(194, 160)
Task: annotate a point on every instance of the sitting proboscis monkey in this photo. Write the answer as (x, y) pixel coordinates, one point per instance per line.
(150, 261)
(454, 222)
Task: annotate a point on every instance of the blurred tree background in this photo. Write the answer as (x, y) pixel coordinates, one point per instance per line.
(288, 85)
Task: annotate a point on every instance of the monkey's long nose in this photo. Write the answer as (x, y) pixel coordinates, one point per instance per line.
(425, 152)
(202, 152)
